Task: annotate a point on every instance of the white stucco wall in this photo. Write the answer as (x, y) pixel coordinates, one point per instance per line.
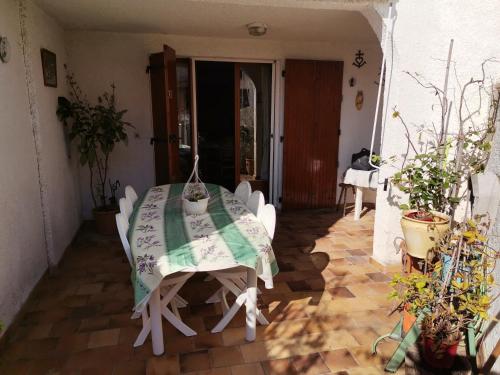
(99, 58)
(26, 245)
(421, 37)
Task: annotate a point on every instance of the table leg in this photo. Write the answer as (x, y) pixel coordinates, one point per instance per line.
(251, 304)
(156, 323)
(358, 205)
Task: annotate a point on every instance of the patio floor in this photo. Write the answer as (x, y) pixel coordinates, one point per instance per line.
(328, 305)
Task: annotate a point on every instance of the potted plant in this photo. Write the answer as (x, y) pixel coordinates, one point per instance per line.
(434, 178)
(462, 286)
(441, 334)
(427, 181)
(96, 129)
(415, 293)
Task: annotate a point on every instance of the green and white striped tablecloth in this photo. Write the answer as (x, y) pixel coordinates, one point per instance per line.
(164, 239)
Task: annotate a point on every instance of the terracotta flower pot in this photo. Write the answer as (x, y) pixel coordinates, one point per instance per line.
(439, 355)
(408, 320)
(422, 235)
(105, 220)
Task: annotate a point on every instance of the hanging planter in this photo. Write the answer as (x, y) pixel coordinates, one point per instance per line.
(195, 194)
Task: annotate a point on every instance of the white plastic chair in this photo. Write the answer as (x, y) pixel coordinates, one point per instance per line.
(169, 287)
(235, 279)
(130, 194)
(243, 191)
(125, 208)
(256, 202)
(267, 216)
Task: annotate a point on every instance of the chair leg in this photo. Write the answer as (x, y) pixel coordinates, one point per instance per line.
(344, 202)
(229, 315)
(146, 329)
(177, 323)
(181, 302)
(215, 298)
(342, 190)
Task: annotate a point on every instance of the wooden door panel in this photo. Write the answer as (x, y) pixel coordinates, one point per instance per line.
(162, 70)
(313, 95)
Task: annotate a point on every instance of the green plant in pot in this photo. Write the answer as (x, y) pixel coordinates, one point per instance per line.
(427, 180)
(434, 177)
(463, 288)
(96, 129)
(415, 292)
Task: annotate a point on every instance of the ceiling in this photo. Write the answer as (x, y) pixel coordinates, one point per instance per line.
(213, 18)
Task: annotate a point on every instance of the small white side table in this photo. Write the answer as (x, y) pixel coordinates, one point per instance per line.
(360, 180)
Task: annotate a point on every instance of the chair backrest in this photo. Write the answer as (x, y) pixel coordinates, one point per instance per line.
(130, 194)
(122, 225)
(243, 191)
(256, 202)
(125, 208)
(267, 216)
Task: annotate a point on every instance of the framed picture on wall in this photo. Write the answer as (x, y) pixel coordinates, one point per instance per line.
(49, 67)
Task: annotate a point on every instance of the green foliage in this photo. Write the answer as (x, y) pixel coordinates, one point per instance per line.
(458, 294)
(96, 129)
(414, 291)
(428, 181)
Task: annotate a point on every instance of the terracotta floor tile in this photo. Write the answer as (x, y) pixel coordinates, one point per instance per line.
(322, 257)
(248, 369)
(340, 292)
(132, 367)
(364, 336)
(226, 356)
(311, 364)
(194, 361)
(279, 367)
(163, 365)
(89, 289)
(107, 337)
(340, 359)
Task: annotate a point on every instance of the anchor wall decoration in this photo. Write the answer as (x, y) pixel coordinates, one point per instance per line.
(359, 60)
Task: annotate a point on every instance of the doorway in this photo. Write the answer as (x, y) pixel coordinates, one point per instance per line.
(221, 110)
(233, 113)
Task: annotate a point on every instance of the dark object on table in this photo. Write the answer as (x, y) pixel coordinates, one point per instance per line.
(415, 364)
(360, 160)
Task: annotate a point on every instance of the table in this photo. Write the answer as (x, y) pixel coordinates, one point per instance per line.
(165, 240)
(360, 180)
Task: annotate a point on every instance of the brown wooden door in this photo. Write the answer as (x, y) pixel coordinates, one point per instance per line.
(162, 69)
(313, 96)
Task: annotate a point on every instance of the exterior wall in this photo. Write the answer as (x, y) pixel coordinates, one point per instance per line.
(489, 201)
(26, 244)
(99, 58)
(420, 42)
